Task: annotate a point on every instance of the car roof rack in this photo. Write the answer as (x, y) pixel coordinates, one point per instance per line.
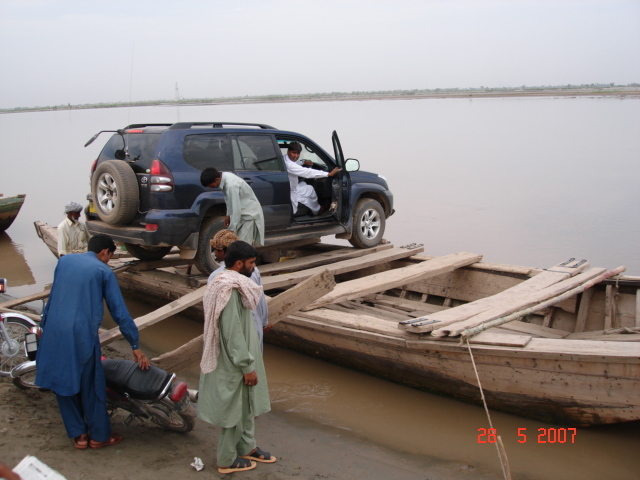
(142, 125)
(185, 125)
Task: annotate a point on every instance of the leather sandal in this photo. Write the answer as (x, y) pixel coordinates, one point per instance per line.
(81, 442)
(115, 438)
(260, 456)
(238, 465)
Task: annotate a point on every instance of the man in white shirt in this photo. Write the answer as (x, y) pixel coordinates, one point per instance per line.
(73, 236)
(301, 192)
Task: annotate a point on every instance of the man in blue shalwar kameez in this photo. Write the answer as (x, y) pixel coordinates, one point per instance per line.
(69, 350)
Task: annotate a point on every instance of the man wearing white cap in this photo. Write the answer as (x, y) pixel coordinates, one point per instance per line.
(73, 236)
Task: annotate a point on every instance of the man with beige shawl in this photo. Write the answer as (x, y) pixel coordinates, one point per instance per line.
(233, 384)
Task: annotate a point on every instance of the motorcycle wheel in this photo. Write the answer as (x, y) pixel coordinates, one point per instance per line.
(16, 329)
(26, 380)
(163, 414)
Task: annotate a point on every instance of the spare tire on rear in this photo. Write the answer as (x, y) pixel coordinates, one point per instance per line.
(115, 192)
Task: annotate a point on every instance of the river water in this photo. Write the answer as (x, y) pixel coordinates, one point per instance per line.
(525, 181)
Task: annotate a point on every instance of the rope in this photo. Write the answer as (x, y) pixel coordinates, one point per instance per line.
(502, 454)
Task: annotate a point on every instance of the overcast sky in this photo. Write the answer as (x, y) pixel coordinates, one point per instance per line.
(58, 52)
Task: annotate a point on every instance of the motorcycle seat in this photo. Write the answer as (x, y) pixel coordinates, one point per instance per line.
(125, 377)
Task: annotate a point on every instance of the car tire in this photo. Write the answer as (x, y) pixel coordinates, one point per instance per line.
(148, 254)
(368, 224)
(115, 192)
(204, 259)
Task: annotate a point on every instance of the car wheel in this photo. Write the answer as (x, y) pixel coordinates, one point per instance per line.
(115, 192)
(204, 260)
(368, 224)
(147, 253)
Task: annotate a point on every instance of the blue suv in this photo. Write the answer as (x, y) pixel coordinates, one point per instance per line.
(146, 192)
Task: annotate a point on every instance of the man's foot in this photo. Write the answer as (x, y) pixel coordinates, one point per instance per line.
(238, 465)
(260, 456)
(81, 442)
(115, 438)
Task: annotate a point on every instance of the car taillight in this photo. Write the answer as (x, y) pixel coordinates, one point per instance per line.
(161, 178)
(94, 165)
(151, 227)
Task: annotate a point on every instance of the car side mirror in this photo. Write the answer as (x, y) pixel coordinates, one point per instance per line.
(352, 165)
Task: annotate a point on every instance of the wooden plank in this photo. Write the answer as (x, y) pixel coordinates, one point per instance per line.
(505, 340)
(316, 260)
(355, 321)
(583, 310)
(27, 299)
(395, 278)
(548, 318)
(608, 307)
(157, 315)
(638, 308)
(300, 295)
(515, 304)
(534, 329)
(512, 295)
(280, 307)
(413, 307)
(289, 279)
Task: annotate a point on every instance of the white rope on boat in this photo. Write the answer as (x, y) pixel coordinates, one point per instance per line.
(502, 453)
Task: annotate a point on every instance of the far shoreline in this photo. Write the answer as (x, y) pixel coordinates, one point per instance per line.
(617, 91)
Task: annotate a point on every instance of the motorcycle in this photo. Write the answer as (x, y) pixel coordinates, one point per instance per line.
(146, 394)
(14, 328)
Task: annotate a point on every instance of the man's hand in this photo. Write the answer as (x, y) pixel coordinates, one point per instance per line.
(141, 359)
(251, 379)
(227, 221)
(334, 171)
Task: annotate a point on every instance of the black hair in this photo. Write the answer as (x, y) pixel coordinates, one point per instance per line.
(99, 242)
(295, 146)
(238, 250)
(209, 175)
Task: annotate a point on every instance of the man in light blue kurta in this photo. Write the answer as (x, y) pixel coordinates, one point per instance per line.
(244, 212)
(233, 384)
(69, 351)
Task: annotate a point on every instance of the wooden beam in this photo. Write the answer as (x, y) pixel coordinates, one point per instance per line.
(289, 279)
(395, 278)
(583, 310)
(316, 260)
(157, 315)
(280, 307)
(27, 299)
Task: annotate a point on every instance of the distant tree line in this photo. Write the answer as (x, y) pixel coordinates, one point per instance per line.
(591, 88)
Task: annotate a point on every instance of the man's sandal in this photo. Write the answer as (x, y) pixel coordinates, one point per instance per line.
(238, 465)
(81, 442)
(115, 438)
(260, 456)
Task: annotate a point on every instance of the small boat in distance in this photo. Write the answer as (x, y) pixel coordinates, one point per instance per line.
(9, 208)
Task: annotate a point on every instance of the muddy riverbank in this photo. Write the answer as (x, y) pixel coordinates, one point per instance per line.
(30, 425)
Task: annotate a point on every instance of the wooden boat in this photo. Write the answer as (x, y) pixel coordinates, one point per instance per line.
(557, 344)
(9, 209)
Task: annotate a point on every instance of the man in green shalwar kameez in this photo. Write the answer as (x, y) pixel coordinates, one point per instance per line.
(233, 384)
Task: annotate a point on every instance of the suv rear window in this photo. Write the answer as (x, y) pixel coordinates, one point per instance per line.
(141, 148)
(208, 150)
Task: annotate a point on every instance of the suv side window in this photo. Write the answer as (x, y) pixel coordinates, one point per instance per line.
(308, 153)
(255, 152)
(208, 150)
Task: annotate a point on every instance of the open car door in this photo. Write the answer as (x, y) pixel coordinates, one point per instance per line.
(341, 183)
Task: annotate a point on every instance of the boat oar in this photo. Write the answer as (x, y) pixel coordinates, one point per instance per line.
(469, 332)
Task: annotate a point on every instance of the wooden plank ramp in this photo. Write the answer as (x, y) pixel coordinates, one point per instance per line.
(395, 278)
(337, 268)
(280, 307)
(494, 303)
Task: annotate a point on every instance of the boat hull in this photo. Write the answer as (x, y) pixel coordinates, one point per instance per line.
(539, 381)
(9, 209)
